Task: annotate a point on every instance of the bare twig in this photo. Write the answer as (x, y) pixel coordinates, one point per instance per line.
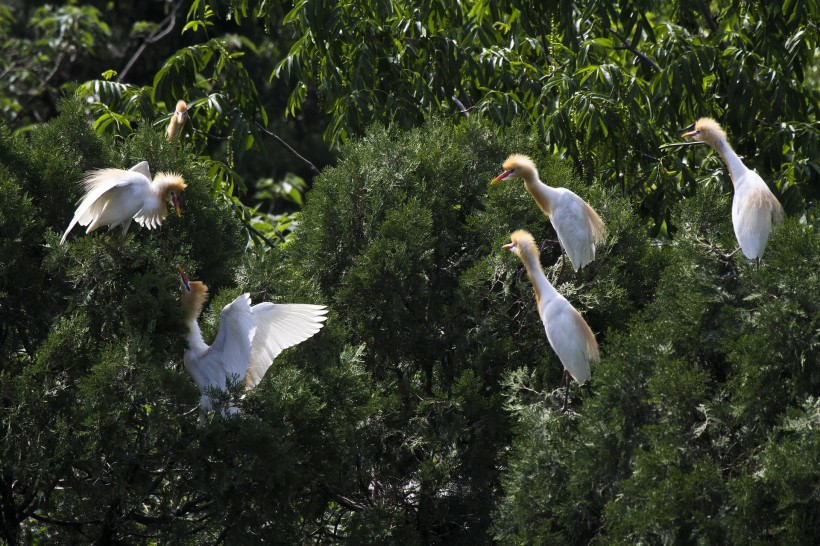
(679, 144)
(287, 146)
(155, 36)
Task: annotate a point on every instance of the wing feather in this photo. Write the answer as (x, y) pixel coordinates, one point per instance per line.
(237, 329)
(573, 341)
(280, 326)
(99, 196)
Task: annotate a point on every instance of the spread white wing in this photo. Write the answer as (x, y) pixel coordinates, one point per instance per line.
(279, 326)
(230, 353)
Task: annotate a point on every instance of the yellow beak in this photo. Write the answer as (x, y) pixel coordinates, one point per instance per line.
(184, 277)
(175, 201)
(501, 177)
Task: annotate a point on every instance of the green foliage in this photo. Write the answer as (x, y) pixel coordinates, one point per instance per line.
(433, 362)
(403, 237)
(693, 404)
(605, 83)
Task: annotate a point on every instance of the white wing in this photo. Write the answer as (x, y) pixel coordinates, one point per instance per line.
(571, 339)
(280, 326)
(113, 196)
(232, 346)
(572, 226)
(142, 168)
(754, 210)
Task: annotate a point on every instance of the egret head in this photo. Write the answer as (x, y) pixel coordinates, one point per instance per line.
(708, 130)
(181, 112)
(194, 296)
(517, 166)
(171, 185)
(522, 243)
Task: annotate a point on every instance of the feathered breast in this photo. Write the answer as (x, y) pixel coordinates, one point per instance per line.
(154, 211)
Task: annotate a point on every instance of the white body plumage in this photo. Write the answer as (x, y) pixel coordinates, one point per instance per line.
(578, 226)
(567, 332)
(248, 339)
(755, 209)
(115, 197)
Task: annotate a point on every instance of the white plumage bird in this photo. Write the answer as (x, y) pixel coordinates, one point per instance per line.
(567, 332)
(114, 197)
(249, 338)
(578, 226)
(177, 121)
(754, 207)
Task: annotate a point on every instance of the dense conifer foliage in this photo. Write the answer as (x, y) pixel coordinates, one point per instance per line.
(428, 409)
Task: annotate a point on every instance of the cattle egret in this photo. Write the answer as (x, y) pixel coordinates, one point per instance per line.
(249, 338)
(754, 206)
(114, 197)
(579, 228)
(177, 121)
(567, 331)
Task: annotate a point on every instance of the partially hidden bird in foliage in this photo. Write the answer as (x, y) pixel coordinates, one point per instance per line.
(114, 197)
(567, 332)
(754, 207)
(578, 226)
(177, 121)
(248, 339)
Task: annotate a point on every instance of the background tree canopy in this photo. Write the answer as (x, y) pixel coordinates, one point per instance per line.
(427, 410)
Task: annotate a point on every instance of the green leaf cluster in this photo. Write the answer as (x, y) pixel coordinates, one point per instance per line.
(691, 435)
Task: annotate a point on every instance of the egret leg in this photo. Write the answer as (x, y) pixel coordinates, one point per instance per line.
(561, 269)
(566, 391)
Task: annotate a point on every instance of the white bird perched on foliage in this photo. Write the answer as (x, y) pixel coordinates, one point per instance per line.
(248, 340)
(177, 121)
(754, 206)
(567, 331)
(579, 228)
(114, 197)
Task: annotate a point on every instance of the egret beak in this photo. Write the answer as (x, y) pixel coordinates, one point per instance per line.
(175, 201)
(690, 134)
(502, 176)
(508, 246)
(181, 115)
(185, 282)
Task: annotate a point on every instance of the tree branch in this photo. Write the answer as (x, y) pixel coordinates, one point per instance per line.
(259, 233)
(635, 50)
(341, 499)
(155, 36)
(287, 146)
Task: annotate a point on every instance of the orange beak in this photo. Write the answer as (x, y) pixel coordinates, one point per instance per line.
(175, 201)
(502, 176)
(185, 282)
(508, 246)
(690, 134)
